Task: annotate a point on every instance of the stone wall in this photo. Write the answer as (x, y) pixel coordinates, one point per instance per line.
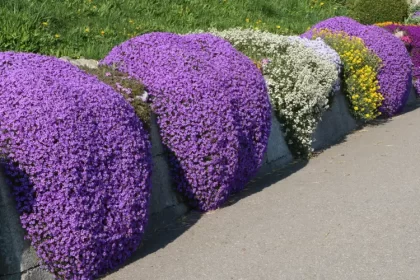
(336, 123)
(166, 205)
(18, 259)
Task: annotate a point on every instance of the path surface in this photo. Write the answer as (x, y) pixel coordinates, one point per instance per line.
(353, 212)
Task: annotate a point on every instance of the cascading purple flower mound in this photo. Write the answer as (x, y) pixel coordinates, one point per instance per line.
(413, 32)
(395, 75)
(212, 105)
(79, 162)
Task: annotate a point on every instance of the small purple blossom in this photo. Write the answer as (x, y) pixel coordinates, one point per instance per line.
(212, 105)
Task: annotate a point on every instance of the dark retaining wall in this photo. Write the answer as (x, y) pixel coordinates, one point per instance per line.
(336, 123)
(17, 258)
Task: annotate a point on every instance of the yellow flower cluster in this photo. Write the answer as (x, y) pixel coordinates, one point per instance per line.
(315, 3)
(260, 25)
(386, 23)
(360, 68)
(381, 24)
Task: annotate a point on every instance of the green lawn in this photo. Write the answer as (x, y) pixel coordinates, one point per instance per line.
(90, 28)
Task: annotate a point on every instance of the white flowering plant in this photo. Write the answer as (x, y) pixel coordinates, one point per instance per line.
(301, 76)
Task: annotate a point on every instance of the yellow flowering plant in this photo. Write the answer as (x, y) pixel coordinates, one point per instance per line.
(360, 72)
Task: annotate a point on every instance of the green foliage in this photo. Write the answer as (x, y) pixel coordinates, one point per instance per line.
(374, 11)
(90, 28)
(128, 87)
(412, 17)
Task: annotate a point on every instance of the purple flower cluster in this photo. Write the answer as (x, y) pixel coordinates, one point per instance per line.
(79, 163)
(395, 75)
(212, 105)
(413, 32)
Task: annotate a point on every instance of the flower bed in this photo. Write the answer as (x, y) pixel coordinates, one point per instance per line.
(395, 75)
(361, 68)
(212, 106)
(411, 38)
(300, 79)
(79, 163)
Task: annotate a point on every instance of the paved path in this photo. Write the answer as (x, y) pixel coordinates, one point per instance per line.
(353, 212)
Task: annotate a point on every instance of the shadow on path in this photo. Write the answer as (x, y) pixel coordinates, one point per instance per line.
(258, 184)
(159, 239)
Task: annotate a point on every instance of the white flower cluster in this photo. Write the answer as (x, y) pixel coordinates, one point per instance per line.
(321, 48)
(325, 52)
(300, 77)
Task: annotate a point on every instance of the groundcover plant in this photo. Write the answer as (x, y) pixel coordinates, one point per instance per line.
(212, 106)
(301, 76)
(395, 75)
(410, 36)
(78, 160)
(360, 72)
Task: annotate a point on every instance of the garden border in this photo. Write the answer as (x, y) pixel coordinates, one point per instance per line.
(166, 205)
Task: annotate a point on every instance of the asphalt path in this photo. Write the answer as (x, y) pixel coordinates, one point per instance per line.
(352, 212)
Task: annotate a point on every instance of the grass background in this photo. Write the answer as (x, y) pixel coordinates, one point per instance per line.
(90, 28)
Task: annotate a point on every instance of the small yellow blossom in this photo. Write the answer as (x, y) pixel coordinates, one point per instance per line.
(45, 23)
(102, 32)
(57, 36)
(321, 4)
(87, 29)
(278, 26)
(247, 20)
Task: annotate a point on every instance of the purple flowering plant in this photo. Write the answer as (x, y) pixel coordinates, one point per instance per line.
(212, 106)
(78, 161)
(413, 34)
(395, 75)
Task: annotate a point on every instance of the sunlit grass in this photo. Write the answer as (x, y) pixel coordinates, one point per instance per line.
(90, 28)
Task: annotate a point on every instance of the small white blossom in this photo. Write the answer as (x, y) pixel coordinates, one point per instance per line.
(145, 97)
